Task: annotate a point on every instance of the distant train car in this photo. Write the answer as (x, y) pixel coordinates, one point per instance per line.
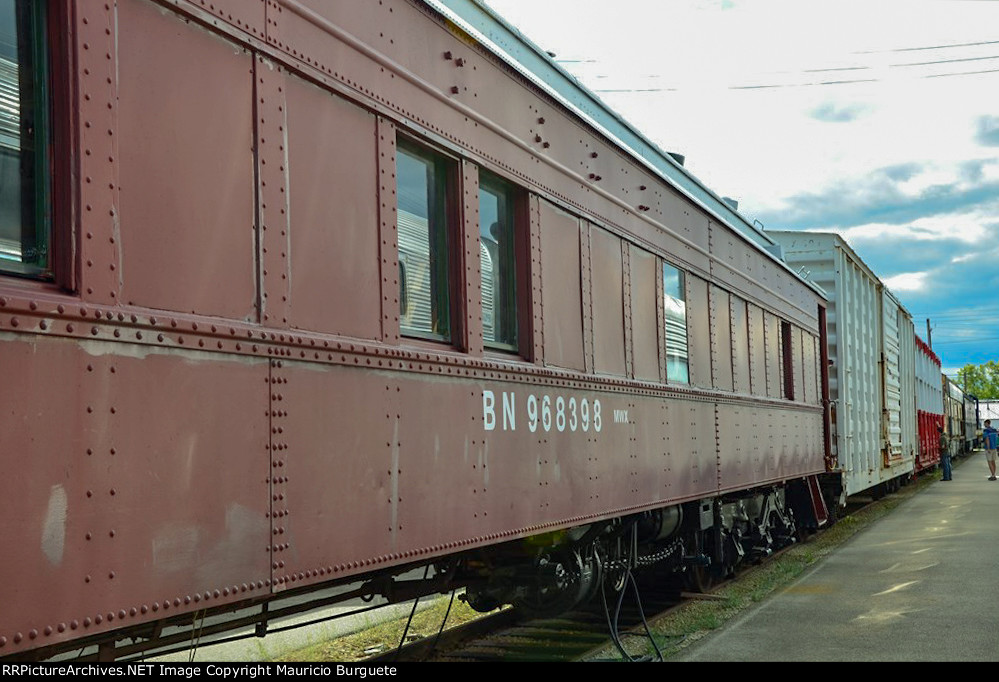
(872, 373)
(972, 424)
(954, 415)
(298, 295)
(929, 405)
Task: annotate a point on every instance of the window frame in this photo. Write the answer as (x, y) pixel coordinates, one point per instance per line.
(444, 299)
(38, 195)
(513, 197)
(670, 379)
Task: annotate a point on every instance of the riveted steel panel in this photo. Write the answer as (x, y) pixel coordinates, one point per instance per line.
(514, 460)
(187, 198)
(560, 271)
(774, 356)
(586, 284)
(334, 214)
(736, 467)
(245, 15)
(689, 448)
(740, 345)
(798, 363)
(99, 241)
(757, 351)
(699, 331)
(388, 231)
(608, 303)
(339, 458)
(123, 516)
(809, 345)
(721, 339)
(645, 314)
(274, 238)
(471, 260)
(629, 344)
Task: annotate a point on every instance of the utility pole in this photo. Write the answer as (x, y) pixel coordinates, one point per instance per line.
(929, 334)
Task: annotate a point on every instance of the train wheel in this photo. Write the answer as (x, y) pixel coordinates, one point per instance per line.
(700, 579)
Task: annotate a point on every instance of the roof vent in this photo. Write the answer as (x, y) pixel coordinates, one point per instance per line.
(677, 157)
(733, 204)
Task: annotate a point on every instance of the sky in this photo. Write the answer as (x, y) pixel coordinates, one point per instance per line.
(878, 120)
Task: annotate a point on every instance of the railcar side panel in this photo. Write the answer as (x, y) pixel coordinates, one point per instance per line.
(773, 355)
(645, 322)
(740, 346)
(562, 313)
(129, 517)
(202, 223)
(757, 351)
(721, 339)
(333, 214)
(699, 332)
(607, 291)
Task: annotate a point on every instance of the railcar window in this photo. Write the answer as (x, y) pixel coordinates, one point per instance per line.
(674, 302)
(497, 255)
(422, 184)
(787, 349)
(24, 231)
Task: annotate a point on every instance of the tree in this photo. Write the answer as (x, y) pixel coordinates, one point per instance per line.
(982, 381)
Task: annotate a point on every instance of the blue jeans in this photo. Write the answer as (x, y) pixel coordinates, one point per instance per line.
(945, 463)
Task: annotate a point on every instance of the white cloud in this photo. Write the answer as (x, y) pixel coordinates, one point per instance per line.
(964, 227)
(907, 282)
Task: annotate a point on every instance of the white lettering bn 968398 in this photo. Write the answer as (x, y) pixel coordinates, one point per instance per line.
(544, 413)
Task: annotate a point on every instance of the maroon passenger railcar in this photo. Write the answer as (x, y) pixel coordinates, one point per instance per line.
(295, 293)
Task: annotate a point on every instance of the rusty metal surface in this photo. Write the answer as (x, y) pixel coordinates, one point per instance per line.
(333, 176)
(560, 275)
(137, 516)
(645, 332)
(187, 198)
(608, 303)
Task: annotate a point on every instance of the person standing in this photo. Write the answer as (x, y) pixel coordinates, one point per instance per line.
(944, 454)
(991, 439)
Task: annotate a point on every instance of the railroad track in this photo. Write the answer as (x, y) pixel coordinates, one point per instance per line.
(511, 636)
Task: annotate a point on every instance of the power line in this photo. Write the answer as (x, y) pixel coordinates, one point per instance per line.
(929, 47)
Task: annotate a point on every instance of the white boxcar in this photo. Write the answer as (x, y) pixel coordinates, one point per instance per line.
(872, 380)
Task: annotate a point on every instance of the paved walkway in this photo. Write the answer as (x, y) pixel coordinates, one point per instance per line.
(921, 584)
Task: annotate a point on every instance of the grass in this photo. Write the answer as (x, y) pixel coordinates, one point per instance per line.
(386, 636)
(697, 618)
